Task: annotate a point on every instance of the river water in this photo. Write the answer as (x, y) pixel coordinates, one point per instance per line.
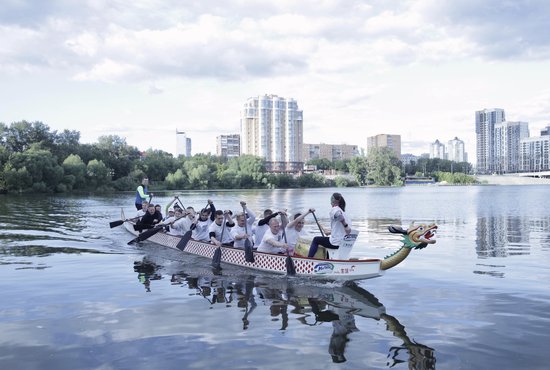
(74, 295)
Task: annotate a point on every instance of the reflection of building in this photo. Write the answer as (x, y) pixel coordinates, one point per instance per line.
(272, 128)
(330, 151)
(183, 144)
(485, 138)
(507, 145)
(228, 145)
(437, 150)
(502, 236)
(455, 151)
(384, 140)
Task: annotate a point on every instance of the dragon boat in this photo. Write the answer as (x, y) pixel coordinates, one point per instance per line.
(331, 265)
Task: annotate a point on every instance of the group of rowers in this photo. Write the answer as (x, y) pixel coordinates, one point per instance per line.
(274, 233)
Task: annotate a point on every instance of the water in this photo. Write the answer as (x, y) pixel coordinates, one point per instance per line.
(76, 296)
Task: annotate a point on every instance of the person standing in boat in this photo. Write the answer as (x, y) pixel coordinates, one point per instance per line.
(273, 240)
(295, 229)
(240, 233)
(142, 193)
(202, 222)
(339, 226)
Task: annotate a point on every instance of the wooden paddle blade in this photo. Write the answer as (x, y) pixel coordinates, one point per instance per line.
(290, 269)
(217, 258)
(184, 240)
(116, 223)
(248, 252)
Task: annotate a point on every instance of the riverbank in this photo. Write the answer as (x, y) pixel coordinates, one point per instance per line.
(511, 180)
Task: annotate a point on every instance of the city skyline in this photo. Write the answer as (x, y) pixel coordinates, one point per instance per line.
(419, 69)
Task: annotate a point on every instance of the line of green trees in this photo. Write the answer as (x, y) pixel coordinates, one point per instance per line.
(34, 158)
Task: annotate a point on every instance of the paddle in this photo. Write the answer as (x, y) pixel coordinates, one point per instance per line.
(248, 252)
(289, 263)
(217, 258)
(147, 234)
(184, 240)
(120, 222)
(320, 228)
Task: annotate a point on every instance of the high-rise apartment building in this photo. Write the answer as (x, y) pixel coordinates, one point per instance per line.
(485, 138)
(455, 150)
(437, 150)
(228, 145)
(535, 153)
(272, 128)
(507, 137)
(384, 140)
(332, 152)
(183, 144)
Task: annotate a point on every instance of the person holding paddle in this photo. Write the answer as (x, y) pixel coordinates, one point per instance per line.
(149, 220)
(219, 229)
(202, 222)
(339, 226)
(295, 229)
(142, 193)
(273, 240)
(240, 232)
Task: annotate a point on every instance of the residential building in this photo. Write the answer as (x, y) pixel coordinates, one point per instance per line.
(228, 146)
(485, 121)
(272, 128)
(183, 144)
(332, 152)
(455, 150)
(535, 153)
(409, 158)
(437, 150)
(385, 140)
(507, 137)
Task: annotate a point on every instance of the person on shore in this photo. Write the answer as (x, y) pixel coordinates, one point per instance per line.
(202, 221)
(295, 229)
(243, 229)
(339, 226)
(142, 193)
(273, 240)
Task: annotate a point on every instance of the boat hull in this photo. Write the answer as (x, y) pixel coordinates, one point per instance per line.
(319, 269)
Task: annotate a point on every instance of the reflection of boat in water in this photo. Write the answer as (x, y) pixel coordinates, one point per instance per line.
(314, 304)
(343, 269)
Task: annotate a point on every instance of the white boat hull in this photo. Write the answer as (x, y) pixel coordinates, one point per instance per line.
(320, 269)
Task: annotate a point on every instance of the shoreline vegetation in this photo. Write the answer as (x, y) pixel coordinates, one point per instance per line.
(35, 159)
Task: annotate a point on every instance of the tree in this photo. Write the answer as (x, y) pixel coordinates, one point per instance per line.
(321, 163)
(40, 164)
(384, 169)
(75, 172)
(98, 174)
(21, 135)
(176, 180)
(358, 168)
(116, 155)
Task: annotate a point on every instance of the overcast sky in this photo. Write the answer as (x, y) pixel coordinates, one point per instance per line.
(141, 69)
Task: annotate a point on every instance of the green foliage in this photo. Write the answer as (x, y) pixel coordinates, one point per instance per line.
(358, 168)
(176, 180)
(343, 182)
(75, 172)
(383, 167)
(40, 164)
(97, 174)
(455, 178)
(312, 180)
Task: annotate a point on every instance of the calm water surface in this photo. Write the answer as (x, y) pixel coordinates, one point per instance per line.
(74, 295)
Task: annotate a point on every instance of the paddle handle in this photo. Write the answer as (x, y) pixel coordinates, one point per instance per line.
(317, 221)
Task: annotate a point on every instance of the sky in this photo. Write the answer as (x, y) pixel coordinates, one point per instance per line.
(141, 69)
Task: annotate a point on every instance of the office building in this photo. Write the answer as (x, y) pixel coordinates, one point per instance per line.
(385, 141)
(272, 128)
(228, 146)
(183, 144)
(485, 121)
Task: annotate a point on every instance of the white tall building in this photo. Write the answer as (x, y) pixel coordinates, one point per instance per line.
(437, 150)
(183, 144)
(507, 137)
(455, 150)
(485, 138)
(272, 128)
(535, 153)
(228, 145)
